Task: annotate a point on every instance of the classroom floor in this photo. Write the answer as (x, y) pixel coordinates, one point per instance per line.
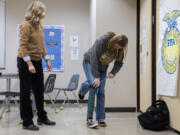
(71, 121)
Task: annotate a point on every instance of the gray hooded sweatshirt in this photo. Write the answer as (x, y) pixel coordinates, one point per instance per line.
(95, 52)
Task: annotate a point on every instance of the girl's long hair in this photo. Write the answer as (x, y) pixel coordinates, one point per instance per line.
(122, 41)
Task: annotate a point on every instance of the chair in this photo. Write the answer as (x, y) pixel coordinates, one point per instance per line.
(5, 107)
(72, 86)
(49, 87)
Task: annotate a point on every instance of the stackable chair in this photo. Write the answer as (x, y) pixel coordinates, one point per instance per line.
(72, 86)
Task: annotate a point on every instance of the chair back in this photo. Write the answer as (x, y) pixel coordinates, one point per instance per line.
(73, 83)
(49, 85)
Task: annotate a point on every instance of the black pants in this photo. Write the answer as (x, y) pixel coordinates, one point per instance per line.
(28, 82)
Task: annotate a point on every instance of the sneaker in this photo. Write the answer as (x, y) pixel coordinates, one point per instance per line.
(31, 127)
(102, 124)
(81, 97)
(92, 124)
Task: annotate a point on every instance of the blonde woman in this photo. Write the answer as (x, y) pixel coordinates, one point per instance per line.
(31, 51)
(109, 47)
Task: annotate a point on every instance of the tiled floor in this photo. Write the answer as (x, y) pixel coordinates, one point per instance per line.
(72, 121)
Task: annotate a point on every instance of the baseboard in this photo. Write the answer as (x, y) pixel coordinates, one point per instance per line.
(69, 101)
(58, 101)
(140, 111)
(120, 109)
(176, 131)
(107, 109)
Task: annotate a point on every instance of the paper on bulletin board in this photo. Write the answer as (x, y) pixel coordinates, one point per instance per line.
(74, 41)
(74, 54)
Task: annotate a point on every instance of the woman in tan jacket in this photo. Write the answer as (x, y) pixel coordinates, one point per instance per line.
(31, 51)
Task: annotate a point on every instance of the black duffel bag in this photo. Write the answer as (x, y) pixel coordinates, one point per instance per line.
(156, 117)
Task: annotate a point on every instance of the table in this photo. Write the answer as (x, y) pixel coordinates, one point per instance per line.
(8, 93)
(8, 77)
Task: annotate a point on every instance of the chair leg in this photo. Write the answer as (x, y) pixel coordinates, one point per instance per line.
(56, 97)
(80, 106)
(4, 106)
(75, 97)
(3, 103)
(56, 111)
(16, 103)
(66, 97)
(52, 102)
(62, 107)
(2, 112)
(8, 105)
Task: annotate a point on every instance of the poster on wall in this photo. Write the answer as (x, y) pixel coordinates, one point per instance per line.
(168, 47)
(74, 54)
(74, 41)
(54, 44)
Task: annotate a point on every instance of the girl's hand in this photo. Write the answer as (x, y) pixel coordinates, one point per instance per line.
(110, 75)
(96, 82)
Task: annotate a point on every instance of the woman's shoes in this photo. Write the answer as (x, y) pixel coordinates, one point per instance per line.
(45, 122)
(31, 127)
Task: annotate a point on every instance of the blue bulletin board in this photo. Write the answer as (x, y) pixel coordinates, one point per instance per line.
(54, 43)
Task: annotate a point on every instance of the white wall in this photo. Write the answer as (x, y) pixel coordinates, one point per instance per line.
(88, 20)
(2, 33)
(92, 21)
(75, 18)
(120, 16)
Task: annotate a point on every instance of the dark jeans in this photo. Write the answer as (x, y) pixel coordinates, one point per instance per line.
(28, 82)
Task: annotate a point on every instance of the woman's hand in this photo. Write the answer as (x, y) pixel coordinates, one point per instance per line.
(96, 82)
(110, 75)
(49, 66)
(31, 67)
